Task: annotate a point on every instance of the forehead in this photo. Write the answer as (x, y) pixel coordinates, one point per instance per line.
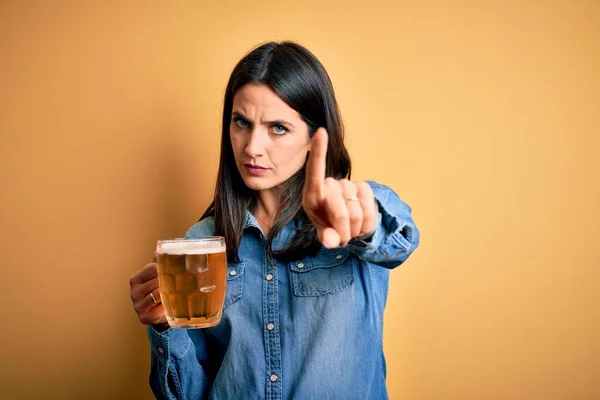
(260, 100)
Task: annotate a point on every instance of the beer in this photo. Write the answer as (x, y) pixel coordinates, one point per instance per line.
(192, 277)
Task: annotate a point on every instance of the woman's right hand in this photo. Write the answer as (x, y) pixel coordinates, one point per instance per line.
(145, 296)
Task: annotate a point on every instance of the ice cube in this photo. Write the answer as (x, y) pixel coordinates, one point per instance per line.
(196, 263)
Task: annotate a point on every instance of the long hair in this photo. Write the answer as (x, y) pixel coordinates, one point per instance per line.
(301, 81)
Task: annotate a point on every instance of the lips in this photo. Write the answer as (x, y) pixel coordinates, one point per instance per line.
(254, 166)
(255, 169)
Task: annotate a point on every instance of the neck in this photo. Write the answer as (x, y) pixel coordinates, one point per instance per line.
(267, 207)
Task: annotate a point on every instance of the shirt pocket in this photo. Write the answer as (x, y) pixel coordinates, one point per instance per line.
(235, 283)
(330, 271)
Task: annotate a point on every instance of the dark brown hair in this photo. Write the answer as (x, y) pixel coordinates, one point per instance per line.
(301, 81)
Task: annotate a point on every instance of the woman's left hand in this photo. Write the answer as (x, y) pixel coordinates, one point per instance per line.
(340, 209)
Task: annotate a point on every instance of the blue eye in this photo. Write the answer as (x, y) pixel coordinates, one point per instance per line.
(279, 129)
(241, 122)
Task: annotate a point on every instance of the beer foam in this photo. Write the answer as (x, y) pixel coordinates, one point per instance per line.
(190, 247)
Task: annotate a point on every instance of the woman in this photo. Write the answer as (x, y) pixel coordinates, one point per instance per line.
(311, 250)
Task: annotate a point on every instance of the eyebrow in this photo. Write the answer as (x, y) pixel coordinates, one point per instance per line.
(274, 122)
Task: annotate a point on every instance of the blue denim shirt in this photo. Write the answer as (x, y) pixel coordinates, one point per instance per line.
(307, 329)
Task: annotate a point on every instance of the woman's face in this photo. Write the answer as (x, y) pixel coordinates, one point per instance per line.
(270, 140)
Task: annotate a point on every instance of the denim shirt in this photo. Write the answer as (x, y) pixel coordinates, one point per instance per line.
(307, 329)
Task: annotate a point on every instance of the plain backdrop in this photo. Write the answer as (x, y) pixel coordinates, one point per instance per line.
(484, 116)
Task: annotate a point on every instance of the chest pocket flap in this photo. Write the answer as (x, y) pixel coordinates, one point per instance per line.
(330, 271)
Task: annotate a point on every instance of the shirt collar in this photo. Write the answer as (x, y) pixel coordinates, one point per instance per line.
(251, 221)
(284, 236)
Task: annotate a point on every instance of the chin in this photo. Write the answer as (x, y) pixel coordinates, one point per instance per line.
(255, 183)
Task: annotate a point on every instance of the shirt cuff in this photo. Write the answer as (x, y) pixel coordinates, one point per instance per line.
(171, 342)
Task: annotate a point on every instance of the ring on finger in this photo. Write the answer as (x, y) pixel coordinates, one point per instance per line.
(353, 198)
(153, 298)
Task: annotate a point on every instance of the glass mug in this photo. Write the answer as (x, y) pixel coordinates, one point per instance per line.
(192, 279)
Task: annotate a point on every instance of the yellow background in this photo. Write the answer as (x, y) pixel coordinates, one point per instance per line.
(484, 116)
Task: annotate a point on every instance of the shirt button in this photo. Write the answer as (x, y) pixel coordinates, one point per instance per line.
(269, 277)
(270, 326)
(273, 378)
(339, 257)
(233, 273)
(161, 350)
(300, 265)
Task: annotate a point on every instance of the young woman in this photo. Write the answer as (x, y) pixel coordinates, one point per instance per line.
(311, 250)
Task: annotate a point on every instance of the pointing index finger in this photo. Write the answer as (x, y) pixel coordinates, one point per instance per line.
(316, 164)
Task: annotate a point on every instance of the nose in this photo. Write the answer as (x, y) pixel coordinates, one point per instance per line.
(256, 143)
